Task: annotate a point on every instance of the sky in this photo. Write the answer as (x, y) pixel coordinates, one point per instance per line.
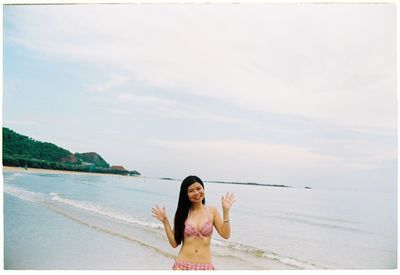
(293, 94)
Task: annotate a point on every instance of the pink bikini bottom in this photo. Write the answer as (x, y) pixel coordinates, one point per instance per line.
(182, 265)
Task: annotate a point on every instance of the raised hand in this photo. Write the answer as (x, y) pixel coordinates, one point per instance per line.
(228, 201)
(159, 214)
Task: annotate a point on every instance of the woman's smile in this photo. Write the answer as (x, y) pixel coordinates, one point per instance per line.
(196, 192)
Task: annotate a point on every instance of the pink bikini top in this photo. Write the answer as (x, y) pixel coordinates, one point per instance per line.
(205, 230)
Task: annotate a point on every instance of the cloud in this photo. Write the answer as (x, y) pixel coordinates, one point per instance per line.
(119, 112)
(146, 101)
(334, 63)
(19, 122)
(175, 109)
(282, 157)
(112, 83)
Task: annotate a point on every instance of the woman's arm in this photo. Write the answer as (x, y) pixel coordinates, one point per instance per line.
(170, 233)
(222, 225)
(161, 215)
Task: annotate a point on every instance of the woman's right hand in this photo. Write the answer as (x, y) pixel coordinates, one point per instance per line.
(159, 214)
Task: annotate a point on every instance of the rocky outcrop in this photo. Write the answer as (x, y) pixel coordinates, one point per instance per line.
(70, 159)
(93, 158)
(119, 168)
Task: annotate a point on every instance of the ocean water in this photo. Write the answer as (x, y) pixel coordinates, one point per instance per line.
(79, 222)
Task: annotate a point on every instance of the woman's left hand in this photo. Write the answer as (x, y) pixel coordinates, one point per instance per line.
(228, 201)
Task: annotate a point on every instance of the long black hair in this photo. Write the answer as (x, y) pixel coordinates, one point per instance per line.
(182, 211)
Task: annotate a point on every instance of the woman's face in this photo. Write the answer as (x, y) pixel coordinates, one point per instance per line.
(195, 192)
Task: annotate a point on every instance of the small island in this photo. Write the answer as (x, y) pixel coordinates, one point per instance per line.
(23, 151)
(251, 183)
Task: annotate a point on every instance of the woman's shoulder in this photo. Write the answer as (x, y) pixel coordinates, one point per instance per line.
(211, 208)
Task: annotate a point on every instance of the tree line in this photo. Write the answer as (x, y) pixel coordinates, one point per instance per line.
(23, 151)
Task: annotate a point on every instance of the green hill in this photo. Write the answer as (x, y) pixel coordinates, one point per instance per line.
(23, 151)
(16, 146)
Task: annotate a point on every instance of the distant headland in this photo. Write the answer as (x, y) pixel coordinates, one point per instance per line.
(23, 151)
(234, 182)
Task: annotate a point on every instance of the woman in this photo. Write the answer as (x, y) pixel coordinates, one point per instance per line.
(193, 225)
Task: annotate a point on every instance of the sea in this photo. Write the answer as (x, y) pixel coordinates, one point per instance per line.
(91, 222)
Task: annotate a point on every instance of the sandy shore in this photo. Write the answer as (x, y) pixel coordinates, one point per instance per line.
(49, 171)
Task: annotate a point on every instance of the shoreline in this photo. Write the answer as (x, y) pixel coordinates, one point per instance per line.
(51, 171)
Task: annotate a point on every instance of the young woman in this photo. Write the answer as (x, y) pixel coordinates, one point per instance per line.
(193, 225)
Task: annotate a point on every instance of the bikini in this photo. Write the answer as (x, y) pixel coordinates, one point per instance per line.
(205, 230)
(191, 232)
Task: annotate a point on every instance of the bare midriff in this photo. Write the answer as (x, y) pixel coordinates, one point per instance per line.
(195, 250)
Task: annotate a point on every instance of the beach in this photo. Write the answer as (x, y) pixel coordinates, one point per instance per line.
(50, 171)
(68, 220)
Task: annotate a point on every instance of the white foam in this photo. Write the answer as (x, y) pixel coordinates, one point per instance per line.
(258, 252)
(103, 210)
(23, 194)
(10, 177)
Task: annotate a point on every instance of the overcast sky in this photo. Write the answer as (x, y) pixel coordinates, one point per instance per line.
(294, 94)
